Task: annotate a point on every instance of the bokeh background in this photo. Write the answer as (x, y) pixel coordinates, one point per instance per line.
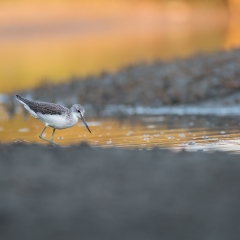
(56, 40)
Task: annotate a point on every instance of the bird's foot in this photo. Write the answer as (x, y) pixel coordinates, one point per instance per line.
(50, 141)
(54, 143)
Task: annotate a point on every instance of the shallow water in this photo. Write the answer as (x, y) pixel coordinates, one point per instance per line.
(192, 133)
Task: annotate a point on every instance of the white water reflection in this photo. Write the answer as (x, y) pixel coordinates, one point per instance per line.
(231, 146)
(176, 110)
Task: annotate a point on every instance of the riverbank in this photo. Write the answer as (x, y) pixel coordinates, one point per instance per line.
(93, 193)
(206, 80)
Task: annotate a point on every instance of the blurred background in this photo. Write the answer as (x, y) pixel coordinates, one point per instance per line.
(63, 38)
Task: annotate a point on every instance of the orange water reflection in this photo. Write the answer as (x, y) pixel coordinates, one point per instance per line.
(141, 132)
(39, 41)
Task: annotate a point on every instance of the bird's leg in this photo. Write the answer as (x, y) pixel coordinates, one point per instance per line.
(40, 135)
(52, 135)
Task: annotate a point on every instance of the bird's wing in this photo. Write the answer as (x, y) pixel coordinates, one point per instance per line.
(41, 107)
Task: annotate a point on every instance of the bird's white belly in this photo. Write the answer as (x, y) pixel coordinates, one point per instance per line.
(57, 121)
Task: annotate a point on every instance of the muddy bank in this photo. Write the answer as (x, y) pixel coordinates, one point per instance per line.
(84, 193)
(214, 77)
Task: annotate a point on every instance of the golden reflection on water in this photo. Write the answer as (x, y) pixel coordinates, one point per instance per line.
(47, 42)
(142, 133)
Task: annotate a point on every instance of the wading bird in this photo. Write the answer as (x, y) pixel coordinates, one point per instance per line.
(54, 115)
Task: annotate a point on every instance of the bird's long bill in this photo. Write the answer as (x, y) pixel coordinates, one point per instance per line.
(85, 123)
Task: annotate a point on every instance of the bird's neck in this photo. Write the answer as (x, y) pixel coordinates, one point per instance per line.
(73, 115)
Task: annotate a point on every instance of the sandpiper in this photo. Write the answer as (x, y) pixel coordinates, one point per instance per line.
(54, 115)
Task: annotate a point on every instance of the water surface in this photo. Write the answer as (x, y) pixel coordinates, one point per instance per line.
(192, 133)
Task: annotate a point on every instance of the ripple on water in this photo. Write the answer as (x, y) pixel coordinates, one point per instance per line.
(129, 133)
(151, 126)
(23, 130)
(182, 145)
(192, 143)
(90, 124)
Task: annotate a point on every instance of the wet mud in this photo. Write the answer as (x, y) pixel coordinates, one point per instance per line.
(80, 192)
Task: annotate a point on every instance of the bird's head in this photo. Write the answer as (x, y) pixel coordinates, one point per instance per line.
(79, 111)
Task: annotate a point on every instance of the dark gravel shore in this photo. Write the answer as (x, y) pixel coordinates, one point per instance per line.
(193, 80)
(84, 193)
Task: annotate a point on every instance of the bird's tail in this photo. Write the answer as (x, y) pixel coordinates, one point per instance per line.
(21, 99)
(26, 104)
